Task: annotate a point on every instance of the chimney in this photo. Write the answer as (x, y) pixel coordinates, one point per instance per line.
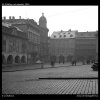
(4, 17)
(19, 17)
(13, 17)
(9, 17)
(69, 30)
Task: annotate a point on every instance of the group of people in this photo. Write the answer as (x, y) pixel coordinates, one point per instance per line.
(84, 61)
(90, 61)
(53, 60)
(73, 61)
(61, 59)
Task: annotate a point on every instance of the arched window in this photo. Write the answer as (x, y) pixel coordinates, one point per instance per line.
(10, 59)
(64, 35)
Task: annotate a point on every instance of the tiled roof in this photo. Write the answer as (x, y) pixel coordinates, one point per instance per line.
(72, 34)
(63, 34)
(86, 34)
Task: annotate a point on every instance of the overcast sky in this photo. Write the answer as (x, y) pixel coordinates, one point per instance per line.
(81, 18)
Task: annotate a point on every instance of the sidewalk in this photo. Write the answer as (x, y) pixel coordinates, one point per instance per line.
(33, 67)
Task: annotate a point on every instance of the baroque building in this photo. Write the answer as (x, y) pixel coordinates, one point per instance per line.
(62, 43)
(85, 45)
(81, 45)
(14, 45)
(36, 36)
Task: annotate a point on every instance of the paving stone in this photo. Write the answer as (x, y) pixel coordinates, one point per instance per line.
(84, 87)
(74, 88)
(55, 87)
(70, 88)
(27, 82)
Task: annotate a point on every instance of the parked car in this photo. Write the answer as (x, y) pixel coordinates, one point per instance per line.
(95, 66)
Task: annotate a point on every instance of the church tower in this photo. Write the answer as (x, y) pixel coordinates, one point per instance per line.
(43, 21)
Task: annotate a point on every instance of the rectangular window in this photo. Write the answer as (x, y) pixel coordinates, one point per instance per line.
(4, 45)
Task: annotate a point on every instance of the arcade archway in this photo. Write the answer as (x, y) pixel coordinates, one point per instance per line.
(17, 59)
(23, 59)
(10, 59)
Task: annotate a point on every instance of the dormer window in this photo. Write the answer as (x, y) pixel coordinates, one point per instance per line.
(54, 36)
(71, 35)
(64, 35)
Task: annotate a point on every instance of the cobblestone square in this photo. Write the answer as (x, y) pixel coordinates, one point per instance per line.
(35, 82)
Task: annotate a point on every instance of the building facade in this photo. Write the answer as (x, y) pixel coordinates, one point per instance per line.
(81, 45)
(14, 45)
(62, 44)
(37, 36)
(85, 45)
(33, 41)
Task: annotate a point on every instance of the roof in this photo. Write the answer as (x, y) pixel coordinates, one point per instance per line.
(10, 25)
(18, 29)
(86, 34)
(42, 18)
(72, 34)
(63, 34)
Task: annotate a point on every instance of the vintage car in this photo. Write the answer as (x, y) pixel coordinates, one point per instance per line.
(95, 66)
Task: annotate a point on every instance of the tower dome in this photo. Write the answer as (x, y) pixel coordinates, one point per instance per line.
(43, 21)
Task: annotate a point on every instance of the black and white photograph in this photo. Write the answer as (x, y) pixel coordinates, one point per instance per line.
(50, 50)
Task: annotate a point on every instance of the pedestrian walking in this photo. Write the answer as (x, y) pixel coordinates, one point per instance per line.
(52, 63)
(53, 60)
(73, 61)
(88, 61)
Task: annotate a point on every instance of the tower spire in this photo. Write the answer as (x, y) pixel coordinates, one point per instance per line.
(43, 21)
